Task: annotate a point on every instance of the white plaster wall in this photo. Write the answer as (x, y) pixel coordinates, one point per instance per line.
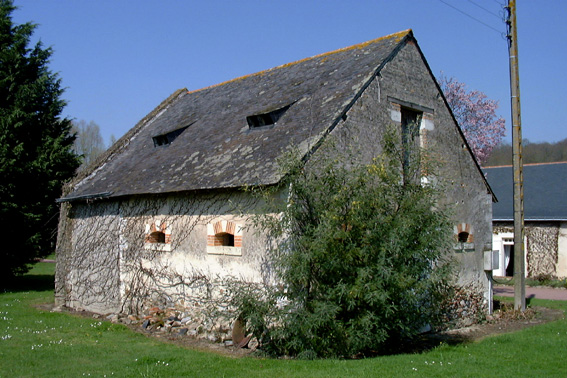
(191, 255)
(498, 244)
(562, 251)
(183, 272)
(92, 276)
(109, 261)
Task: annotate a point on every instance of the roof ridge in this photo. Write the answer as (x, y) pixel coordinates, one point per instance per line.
(527, 164)
(399, 35)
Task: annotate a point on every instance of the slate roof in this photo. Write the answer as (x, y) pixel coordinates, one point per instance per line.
(218, 149)
(545, 196)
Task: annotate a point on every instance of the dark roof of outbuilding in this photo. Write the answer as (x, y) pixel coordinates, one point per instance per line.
(544, 191)
(218, 149)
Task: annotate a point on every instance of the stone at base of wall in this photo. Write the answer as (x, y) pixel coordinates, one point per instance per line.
(168, 321)
(179, 322)
(465, 308)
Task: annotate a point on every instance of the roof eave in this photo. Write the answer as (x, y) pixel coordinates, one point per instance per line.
(531, 220)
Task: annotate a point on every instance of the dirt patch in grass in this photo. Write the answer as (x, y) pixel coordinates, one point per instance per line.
(505, 320)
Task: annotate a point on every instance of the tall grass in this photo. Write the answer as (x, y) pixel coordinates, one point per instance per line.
(39, 343)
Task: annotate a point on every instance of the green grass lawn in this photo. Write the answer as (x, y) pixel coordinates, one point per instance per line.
(36, 343)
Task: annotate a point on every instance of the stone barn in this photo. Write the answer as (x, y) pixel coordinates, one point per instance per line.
(161, 218)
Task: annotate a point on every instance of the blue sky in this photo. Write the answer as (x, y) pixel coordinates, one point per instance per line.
(120, 59)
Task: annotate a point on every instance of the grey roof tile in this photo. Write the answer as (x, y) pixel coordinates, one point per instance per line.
(544, 191)
(218, 149)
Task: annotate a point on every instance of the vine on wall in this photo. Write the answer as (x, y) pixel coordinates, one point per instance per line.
(105, 261)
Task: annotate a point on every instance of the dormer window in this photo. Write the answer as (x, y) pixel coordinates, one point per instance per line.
(166, 139)
(266, 119)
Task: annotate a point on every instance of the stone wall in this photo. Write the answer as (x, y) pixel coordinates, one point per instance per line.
(562, 251)
(543, 254)
(542, 249)
(406, 82)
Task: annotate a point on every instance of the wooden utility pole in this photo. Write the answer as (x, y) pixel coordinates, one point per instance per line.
(519, 264)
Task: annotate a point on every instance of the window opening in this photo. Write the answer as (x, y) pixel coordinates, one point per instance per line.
(166, 139)
(226, 239)
(410, 120)
(463, 237)
(156, 237)
(509, 257)
(266, 119)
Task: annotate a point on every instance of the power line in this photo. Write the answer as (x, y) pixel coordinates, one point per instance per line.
(474, 18)
(484, 9)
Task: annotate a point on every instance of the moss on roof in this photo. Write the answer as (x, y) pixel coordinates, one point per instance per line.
(218, 149)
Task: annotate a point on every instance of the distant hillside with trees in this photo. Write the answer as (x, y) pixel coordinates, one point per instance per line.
(543, 152)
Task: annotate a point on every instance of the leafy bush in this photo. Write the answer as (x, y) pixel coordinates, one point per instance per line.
(546, 280)
(358, 256)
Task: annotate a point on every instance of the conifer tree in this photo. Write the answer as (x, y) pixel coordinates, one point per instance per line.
(35, 147)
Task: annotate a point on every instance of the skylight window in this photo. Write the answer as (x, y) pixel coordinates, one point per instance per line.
(266, 119)
(166, 139)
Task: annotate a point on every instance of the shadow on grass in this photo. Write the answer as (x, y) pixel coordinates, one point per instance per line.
(29, 282)
(529, 300)
(510, 320)
(424, 343)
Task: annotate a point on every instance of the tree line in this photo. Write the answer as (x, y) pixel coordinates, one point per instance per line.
(541, 152)
(89, 144)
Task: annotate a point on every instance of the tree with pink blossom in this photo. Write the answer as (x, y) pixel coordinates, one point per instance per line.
(476, 115)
